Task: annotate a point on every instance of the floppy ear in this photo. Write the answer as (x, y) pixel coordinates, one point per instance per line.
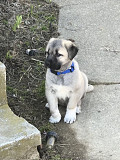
(72, 51)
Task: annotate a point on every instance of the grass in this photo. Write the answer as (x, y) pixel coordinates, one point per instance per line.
(5, 22)
(58, 157)
(46, 128)
(12, 91)
(33, 28)
(44, 28)
(27, 43)
(31, 10)
(39, 66)
(41, 89)
(17, 23)
(9, 55)
(50, 18)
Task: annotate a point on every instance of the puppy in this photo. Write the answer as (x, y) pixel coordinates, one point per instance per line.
(64, 80)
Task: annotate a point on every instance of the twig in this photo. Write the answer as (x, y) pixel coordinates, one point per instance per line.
(29, 68)
(33, 59)
(34, 77)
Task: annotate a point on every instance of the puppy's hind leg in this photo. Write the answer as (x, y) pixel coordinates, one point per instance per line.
(88, 87)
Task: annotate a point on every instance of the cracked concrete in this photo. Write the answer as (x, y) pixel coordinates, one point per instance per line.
(95, 27)
(103, 83)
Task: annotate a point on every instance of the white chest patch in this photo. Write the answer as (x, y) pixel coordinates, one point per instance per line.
(61, 91)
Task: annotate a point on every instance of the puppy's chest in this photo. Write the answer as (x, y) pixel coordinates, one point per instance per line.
(59, 81)
(63, 80)
(62, 88)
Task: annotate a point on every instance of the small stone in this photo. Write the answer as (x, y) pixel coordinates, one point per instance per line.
(31, 52)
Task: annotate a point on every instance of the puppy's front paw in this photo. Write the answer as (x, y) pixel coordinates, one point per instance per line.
(70, 116)
(54, 120)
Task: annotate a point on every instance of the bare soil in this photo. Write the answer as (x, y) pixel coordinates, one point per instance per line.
(26, 74)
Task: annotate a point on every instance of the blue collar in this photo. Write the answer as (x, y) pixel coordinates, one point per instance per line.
(64, 72)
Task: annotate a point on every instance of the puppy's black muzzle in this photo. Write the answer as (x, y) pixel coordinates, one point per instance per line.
(52, 62)
(47, 63)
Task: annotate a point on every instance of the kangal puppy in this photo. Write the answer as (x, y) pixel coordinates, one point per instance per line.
(64, 80)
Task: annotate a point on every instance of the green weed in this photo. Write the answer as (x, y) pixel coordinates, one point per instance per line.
(50, 18)
(42, 49)
(31, 10)
(9, 55)
(17, 23)
(46, 128)
(56, 157)
(5, 22)
(44, 28)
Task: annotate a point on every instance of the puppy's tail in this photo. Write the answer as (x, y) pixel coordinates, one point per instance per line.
(90, 88)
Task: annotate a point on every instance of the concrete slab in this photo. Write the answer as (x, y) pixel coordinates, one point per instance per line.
(98, 126)
(17, 136)
(3, 97)
(95, 27)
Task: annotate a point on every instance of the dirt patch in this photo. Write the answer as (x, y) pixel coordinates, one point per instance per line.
(30, 24)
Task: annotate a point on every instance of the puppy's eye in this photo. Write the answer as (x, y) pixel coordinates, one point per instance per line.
(59, 55)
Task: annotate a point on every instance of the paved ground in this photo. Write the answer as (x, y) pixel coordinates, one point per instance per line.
(95, 27)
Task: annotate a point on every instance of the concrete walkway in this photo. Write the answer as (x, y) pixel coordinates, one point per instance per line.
(95, 27)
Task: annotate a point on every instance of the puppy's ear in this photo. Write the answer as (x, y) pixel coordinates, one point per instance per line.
(72, 51)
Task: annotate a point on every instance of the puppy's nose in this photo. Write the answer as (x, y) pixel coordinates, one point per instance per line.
(49, 61)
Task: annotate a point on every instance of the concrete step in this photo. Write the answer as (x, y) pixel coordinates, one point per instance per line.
(17, 136)
(3, 97)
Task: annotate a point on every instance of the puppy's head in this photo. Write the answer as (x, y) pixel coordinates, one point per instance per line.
(59, 52)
